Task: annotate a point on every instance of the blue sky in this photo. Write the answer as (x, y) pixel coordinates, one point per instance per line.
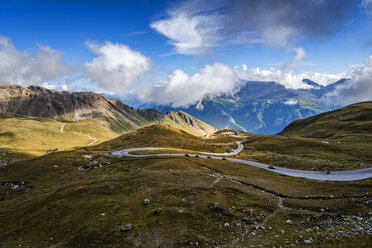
(180, 44)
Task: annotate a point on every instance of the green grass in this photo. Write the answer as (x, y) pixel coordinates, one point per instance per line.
(98, 129)
(353, 119)
(59, 205)
(350, 152)
(24, 137)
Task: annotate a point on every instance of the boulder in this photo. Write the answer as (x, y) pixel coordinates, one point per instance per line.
(146, 201)
(126, 228)
(157, 211)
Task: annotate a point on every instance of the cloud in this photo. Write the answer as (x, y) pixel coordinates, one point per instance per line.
(49, 63)
(49, 86)
(279, 22)
(284, 76)
(25, 68)
(300, 55)
(192, 26)
(323, 78)
(116, 66)
(357, 89)
(183, 90)
(55, 86)
(366, 7)
(289, 80)
(189, 32)
(290, 102)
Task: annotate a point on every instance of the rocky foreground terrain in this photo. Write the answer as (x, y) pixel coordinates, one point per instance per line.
(87, 198)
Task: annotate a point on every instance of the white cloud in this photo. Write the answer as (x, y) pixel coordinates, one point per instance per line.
(300, 55)
(25, 68)
(49, 63)
(357, 89)
(54, 86)
(49, 86)
(323, 78)
(366, 7)
(289, 80)
(286, 75)
(183, 90)
(290, 102)
(192, 26)
(116, 66)
(189, 33)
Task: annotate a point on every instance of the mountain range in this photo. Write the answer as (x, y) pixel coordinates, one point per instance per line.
(260, 107)
(37, 101)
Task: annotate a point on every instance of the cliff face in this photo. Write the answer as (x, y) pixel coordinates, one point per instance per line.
(41, 102)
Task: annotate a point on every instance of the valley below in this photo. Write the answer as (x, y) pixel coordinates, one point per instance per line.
(178, 182)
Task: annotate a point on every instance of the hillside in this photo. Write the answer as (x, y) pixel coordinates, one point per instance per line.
(26, 137)
(260, 107)
(41, 102)
(355, 119)
(36, 101)
(96, 200)
(335, 140)
(189, 123)
(36, 121)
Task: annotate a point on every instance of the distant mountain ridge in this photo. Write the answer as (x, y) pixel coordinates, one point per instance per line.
(41, 102)
(261, 107)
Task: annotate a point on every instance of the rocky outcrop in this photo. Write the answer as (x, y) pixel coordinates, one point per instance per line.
(185, 120)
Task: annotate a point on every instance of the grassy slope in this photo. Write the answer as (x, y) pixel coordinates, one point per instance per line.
(355, 119)
(335, 140)
(24, 137)
(98, 129)
(306, 153)
(61, 206)
(27, 137)
(309, 153)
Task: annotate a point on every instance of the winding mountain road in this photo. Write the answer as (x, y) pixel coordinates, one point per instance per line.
(351, 175)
